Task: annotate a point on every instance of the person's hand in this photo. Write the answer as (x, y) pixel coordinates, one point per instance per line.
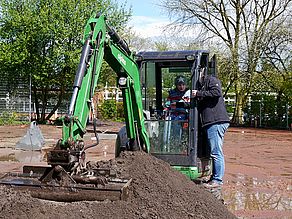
(194, 93)
(186, 97)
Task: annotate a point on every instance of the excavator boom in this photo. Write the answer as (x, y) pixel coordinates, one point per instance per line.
(101, 42)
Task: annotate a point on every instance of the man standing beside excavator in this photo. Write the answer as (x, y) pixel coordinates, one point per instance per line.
(215, 121)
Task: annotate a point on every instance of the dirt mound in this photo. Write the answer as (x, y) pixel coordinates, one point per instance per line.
(157, 191)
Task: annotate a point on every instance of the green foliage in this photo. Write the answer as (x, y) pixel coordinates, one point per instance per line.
(109, 109)
(9, 118)
(268, 109)
(224, 71)
(43, 39)
(161, 46)
(230, 108)
(108, 76)
(120, 111)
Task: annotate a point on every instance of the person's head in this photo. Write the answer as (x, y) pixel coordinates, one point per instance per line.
(180, 83)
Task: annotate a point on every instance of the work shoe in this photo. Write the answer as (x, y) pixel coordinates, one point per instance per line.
(206, 180)
(212, 185)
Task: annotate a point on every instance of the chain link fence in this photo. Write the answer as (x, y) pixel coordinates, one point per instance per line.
(16, 105)
(268, 114)
(14, 101)
(264, 114)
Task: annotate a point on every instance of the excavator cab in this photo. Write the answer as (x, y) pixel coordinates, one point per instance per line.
(175, 135)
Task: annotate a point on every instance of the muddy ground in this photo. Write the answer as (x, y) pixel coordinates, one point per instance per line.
(258, 179)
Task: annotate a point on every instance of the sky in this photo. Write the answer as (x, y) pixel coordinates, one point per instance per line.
(148, 18)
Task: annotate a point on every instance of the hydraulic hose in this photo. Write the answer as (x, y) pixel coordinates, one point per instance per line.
(118, 40)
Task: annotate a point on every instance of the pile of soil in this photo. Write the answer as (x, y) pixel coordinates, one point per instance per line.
(156, 191)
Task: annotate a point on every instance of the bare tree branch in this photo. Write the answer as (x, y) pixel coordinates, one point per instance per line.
(244, 26)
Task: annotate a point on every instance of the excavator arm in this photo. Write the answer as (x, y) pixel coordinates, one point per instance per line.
(69, 178)
(100, 42)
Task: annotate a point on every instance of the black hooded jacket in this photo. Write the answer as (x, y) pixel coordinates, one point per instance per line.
(211, 104)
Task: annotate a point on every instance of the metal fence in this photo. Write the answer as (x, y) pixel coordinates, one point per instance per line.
(16, 104)
(265, 114)
(14, 100)
(268, 114)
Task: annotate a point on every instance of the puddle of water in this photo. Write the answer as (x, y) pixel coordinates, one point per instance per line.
(9, 157)
(254, 194)
(29, 156)
(238, 200)
(23, 156)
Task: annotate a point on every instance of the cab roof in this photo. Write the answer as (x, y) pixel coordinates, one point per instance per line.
(168, 55)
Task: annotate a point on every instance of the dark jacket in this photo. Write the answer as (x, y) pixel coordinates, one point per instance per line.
(211, 104)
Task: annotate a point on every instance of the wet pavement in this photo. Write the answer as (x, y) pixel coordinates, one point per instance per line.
(258, 179)
(255, 194)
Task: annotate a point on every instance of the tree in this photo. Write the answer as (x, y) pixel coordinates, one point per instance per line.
(243, 27)
(42, 38)
(136, 42)
(277, 62)
(276, 72)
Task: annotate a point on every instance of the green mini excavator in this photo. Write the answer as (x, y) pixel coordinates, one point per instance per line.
(144, 80)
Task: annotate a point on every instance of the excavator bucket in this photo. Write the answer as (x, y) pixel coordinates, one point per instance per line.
(54, 183)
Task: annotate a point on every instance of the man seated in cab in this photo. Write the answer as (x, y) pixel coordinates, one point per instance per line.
(175, 104)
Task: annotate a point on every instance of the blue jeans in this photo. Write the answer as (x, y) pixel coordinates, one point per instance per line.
(215, 135)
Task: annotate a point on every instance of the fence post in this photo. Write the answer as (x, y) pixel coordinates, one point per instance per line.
(30, 119)
(260, 125)
(287, 116)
